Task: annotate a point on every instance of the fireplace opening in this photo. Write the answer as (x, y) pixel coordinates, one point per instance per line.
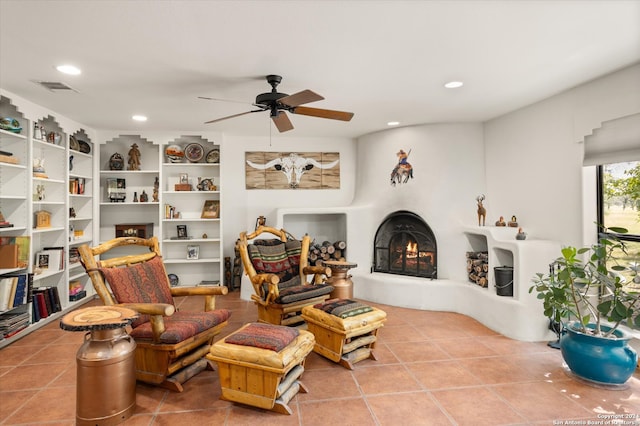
(404, 244)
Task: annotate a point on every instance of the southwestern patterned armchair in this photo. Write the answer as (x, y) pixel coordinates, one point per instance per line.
(171, 345)
(278, 269)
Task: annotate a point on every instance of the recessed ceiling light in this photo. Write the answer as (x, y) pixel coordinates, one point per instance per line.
(393, 123)
(453, 84)
(69, 69)
(139, 118)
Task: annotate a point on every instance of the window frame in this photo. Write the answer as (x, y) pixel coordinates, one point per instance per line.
(600, 210)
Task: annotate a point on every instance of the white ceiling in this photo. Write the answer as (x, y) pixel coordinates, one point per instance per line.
(382, 60)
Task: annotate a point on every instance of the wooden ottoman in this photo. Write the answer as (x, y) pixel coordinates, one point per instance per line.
(260, 364)
(345, 330)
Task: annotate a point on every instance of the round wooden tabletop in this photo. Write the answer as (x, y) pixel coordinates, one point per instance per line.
(339, 264)
(98, 318)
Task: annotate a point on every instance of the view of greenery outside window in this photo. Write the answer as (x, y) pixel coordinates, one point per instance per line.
(619, 206)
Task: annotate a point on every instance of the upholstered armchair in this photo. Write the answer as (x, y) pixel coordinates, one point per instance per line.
(278, 270)
(171, 345)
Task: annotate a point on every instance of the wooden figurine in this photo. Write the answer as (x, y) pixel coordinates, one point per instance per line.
(134, 157)
(482, 212)
(501, 222)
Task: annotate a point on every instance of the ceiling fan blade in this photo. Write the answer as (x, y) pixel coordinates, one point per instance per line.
(224, 100)
(232, 116)
(282, 122)
(323, 113)
(300, 98)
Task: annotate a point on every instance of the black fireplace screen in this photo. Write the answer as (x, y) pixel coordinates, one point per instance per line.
(405, 245)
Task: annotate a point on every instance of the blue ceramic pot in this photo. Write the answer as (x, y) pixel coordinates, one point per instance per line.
(597, 359)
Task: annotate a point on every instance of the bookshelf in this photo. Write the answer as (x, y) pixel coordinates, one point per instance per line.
(198, 257)
(36, 198)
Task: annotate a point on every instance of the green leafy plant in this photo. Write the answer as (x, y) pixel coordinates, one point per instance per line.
(585, 285)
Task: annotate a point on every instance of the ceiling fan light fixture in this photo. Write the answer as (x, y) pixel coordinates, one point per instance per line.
(140, 118)
(454, 84)
(69, 69)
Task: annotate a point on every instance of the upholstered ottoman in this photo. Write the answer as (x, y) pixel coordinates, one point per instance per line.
(345, 330)
(260, 364)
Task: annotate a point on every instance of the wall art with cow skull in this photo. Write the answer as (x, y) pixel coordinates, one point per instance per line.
(292, 170)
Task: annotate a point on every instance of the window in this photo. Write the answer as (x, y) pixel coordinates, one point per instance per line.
(619, 206)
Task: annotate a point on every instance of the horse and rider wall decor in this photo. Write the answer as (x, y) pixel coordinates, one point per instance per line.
(403, 171)
(292, 170)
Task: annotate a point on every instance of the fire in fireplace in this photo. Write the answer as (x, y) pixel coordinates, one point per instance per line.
(405, 245)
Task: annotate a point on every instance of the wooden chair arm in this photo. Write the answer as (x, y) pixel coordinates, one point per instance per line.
(272, 280)
(156, 312)
(318, 272)
(163, 309)
(199, 291)
(209, 293)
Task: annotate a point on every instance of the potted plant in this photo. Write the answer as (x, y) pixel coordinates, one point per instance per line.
(586, 293)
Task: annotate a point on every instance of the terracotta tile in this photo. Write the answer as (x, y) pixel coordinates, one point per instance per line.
(541, 401)
(599, 400)
(417, 351)
(55, 354)
(400, 333)
(148, 398)
(413, 408)
(350, 411)
(385, 379)
(13, 400)
(477, 406)
(492, 370)
(240, 415)
(14, 354)
(50, 404)
(442, 375)
(200, 392)
(200, 417)
(327, 384)
(31, 377)
(465, 347)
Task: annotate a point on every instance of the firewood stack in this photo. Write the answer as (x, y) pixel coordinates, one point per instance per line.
(327, 251)
(478, 267)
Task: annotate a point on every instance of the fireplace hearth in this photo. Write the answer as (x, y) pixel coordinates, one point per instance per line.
(405, 245)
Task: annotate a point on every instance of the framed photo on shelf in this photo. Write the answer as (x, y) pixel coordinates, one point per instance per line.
(211, 209)
(182, 231)
(184, 178)
(193, 252)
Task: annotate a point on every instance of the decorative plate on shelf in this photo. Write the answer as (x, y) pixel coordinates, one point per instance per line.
(10, 125)
(173, 280)
(194, 152)
(85, 148)
(213, 156)
(174, 153)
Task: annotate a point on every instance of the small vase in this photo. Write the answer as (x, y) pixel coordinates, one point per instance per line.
(135, 197)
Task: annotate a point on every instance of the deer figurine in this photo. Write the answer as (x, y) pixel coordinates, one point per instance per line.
(482, 212)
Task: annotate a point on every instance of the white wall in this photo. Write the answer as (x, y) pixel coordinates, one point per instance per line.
(534, 156)
(241, 207)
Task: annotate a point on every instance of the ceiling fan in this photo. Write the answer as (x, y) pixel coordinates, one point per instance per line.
(278, 104)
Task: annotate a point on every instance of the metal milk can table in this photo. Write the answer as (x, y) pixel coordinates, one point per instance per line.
(340, 279)
(106, 376)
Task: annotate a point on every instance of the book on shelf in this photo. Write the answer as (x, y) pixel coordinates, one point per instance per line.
(51, 298)
(50, 259)
(40, 304)
(20, 296)
(7, 288)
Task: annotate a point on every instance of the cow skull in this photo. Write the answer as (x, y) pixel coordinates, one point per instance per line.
(293, 167)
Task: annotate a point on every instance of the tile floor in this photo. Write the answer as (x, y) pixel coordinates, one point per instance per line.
(433, 368)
